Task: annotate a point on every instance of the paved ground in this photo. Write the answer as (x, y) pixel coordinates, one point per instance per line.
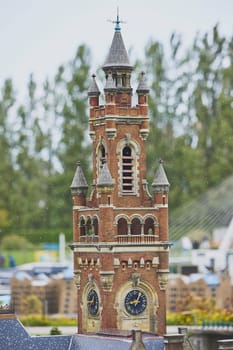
(73, 330)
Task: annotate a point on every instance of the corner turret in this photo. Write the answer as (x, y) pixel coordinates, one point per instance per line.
(79, 187)
(93, 94)
(105, 184)
(143, 92)
(160, 185)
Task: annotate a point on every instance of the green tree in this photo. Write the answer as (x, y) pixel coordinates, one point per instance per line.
(14, 242)
(190, 108)
(71, 84)
(29, 195)
(7, 101)
(32, 305)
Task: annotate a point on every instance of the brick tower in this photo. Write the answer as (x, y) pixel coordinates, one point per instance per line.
(120, 234)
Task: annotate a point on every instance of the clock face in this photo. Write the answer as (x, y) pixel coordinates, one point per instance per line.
(92, 302)
(135, 302)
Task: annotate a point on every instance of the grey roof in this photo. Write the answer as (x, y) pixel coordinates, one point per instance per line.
(142, 86)
(117, 55)
(99, 342)
(93, 88)
(105, 178)
(16, 338)
(160, 178)
(79, 180)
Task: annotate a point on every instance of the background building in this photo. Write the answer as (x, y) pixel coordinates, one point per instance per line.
(54, 287)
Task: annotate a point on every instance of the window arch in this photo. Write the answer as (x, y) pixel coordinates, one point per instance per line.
(89, 229)
(102, 153)
(101, 156)
(122, 227)
(82, 226)
(136, 227)
(149, 226)
(95, 226)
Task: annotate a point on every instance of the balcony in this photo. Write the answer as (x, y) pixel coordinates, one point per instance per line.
(89, 239)
(137, 239)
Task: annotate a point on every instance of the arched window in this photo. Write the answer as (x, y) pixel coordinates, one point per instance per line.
(82, 227)
(96, 226)
(136, 227)
(89, 227)
(149, 226)
(122, 227)
(102, 154)
(127, 169)
(101, 157)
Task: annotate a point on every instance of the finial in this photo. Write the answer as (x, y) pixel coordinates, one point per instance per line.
(117, 22)
(117, 27)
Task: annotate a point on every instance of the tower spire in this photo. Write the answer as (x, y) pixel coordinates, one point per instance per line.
(117, 22)
(117, 27)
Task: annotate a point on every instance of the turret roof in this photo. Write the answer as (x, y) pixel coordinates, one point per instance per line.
(160, 178)
(79, 180)
(117, 55)
(105, 178)
(93, 88)
(142, 86)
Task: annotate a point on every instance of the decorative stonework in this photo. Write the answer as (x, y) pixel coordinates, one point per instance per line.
(163, 278)
(116, 263)
(144, 133)
(106, 278)
(136, 279)
(77, 278)
(92, 135)
(155, 261)
(91, 280)
(111, 133)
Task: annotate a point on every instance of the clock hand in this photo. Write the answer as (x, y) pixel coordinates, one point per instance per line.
(91, 301)
(136, 301)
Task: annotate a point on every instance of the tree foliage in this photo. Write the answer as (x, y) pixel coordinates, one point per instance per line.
(32, 305)
(191, 107)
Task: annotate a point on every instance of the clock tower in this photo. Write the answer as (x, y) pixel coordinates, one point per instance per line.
(120, 234)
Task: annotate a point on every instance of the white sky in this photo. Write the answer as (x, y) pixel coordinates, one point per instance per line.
(39, 35)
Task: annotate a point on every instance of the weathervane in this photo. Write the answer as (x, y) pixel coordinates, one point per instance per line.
(117, 22)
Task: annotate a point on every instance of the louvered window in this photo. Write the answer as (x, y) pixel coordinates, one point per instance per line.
(127, 169)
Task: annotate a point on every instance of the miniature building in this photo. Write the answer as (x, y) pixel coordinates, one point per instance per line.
(120, 234)
(56, 291)
(182, 289)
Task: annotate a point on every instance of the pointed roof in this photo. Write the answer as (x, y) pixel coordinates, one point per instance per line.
(117, 55)
(105, 178)
(142, 86)
(79, 180)
(93, 88)
(160, 179)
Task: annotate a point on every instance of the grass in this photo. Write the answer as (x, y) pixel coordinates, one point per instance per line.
(38, 320)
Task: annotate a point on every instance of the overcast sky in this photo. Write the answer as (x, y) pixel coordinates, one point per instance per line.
(39, 35)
